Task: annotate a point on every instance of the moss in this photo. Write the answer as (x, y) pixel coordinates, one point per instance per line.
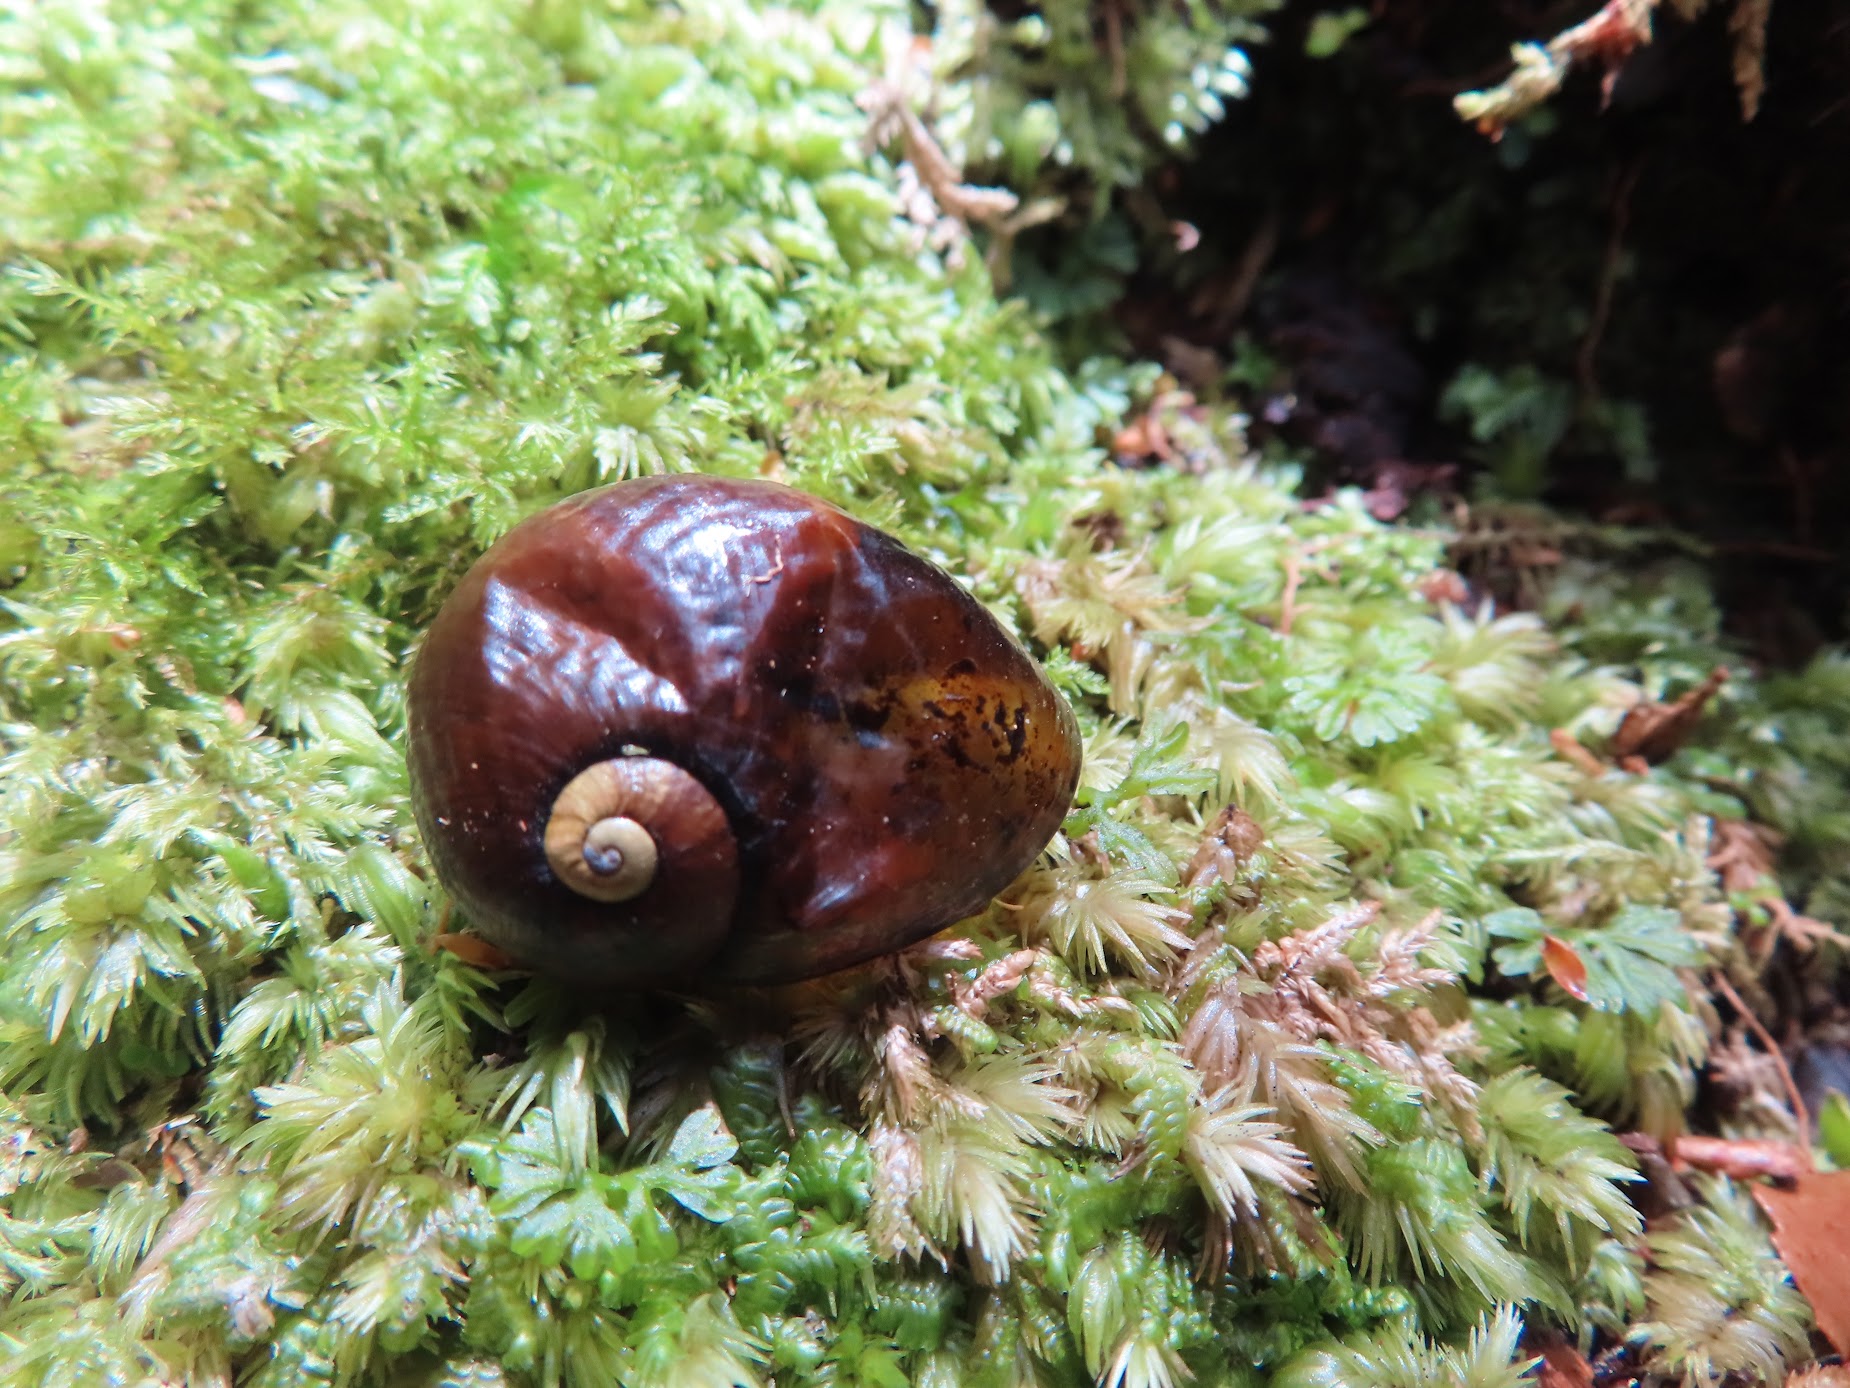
(307, 303)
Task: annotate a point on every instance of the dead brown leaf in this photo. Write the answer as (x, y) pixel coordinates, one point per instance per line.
(1811, 1230)
(1655, 731)
(1563, 1366)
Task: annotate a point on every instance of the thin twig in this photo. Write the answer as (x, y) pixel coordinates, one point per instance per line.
(1800, 1115)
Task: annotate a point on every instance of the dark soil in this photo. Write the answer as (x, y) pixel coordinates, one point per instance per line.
(1661, 252)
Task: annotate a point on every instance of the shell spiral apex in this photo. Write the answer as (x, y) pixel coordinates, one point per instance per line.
(696, 728)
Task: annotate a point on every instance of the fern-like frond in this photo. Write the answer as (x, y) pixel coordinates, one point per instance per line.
(1548, 1160)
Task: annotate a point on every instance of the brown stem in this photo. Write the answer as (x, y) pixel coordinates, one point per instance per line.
(1800, 1115)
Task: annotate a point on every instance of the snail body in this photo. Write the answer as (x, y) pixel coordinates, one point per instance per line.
(701, 729)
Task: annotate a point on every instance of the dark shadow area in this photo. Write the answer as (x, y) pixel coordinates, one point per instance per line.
(1639, 314)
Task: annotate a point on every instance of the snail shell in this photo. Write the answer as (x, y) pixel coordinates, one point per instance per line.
(695, 728)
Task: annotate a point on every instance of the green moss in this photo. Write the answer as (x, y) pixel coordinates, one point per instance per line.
(307, 303)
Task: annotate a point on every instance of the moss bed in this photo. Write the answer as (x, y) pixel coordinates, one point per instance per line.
(1270, 1071)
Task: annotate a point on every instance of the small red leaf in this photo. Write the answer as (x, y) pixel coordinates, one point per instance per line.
(1565, 966)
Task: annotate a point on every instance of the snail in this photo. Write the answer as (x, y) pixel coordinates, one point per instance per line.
(696, 729)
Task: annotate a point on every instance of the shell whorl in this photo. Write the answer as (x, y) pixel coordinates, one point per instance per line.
(618, 825)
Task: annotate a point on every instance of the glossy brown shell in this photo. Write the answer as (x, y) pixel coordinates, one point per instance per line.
(887, 757)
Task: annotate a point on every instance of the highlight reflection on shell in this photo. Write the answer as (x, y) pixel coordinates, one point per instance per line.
(883, 755)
